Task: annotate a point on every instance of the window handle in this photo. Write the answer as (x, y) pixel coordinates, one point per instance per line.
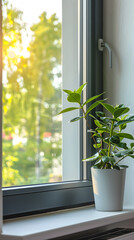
(101, 46)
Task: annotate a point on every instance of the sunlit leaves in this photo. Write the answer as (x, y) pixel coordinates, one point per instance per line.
(110, 131)
(115, 139)
(132, 145)
(97, 123)
(120, 111)
(124, 152)
(107, 159)
(94, 105)
(81, 88)
(103, 130)
(67, 91)
(98, 145)
(122, 145)
(122, 122)
(29, 91)
(76, 119)
(125, 135)
(93, 158)
(74, 98)
(107, 134)
(108, 107)
(100, 114)
(92, 98)
(123, 166)
(68, 110)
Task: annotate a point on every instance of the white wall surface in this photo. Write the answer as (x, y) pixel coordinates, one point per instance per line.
(119, 81)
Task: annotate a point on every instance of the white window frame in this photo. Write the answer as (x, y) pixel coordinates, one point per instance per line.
(21, 201)
(71, 132)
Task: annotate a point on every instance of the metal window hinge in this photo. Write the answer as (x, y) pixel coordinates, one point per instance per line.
(101, 46)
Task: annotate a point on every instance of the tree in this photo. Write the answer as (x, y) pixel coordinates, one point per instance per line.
(28, 95)
(12, 38)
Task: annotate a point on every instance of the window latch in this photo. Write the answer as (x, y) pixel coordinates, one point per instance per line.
(101, 46)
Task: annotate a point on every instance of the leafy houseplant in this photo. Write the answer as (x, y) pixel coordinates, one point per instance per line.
(108, 136)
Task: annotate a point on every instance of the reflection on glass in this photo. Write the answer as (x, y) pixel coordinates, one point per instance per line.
(32, 137)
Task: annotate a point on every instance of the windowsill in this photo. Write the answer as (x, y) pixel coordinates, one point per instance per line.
(61, 223)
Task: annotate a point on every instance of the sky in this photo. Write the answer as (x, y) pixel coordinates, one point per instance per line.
(33, 8)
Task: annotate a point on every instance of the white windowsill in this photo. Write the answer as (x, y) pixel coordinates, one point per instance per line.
(50, 225)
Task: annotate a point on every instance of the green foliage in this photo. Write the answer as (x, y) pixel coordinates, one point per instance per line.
(30, 99)
(107, 134)
(68, 109)
(91, 99)
(74, 97)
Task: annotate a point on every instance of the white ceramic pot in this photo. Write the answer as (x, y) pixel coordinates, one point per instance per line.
(108, 187)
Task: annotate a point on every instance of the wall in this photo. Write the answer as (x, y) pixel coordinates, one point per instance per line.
(119, 81)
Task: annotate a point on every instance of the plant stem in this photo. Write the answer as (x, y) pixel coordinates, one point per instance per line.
(84, 113)
(101, 141)
(111, 133)
(120, 159)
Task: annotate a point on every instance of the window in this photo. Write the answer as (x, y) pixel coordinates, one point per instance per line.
(81, 28)
(32, 135)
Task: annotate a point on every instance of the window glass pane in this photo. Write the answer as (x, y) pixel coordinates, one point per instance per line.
(32, 135)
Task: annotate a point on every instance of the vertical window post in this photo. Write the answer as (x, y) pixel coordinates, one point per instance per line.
(71, 153)
(94, 61)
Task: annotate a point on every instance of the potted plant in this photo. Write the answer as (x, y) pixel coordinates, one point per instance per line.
(109, 136)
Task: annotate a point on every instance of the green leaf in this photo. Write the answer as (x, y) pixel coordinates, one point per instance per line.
(75, 119)
(115, 139)
(100, 114)
(68, 110)
(92, 98)
(99, 165)
(97, 123)
(93, 117)
(106, 140)
(122, 145)
(93, 158)
(74, 97)
(97, 145)
(124, 117)
(97, 135)
(97, 120)
(108, 119)
(122, 126)
(119, 106)
(102, 130)
(127, 120)
(109, 107)
(94, 105)
(91, 131)
(132, 145)
(81, 88)
(132, 156)
(67, 91)
(125, 135)
(103, 152)
(123, 166)
(120, 111)
(116, 167)
(124, 153)
(107, 159)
